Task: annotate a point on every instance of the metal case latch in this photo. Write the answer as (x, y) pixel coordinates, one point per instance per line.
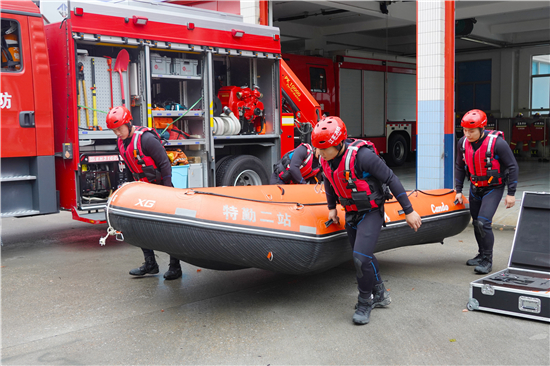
(487, 290)
(529, 304)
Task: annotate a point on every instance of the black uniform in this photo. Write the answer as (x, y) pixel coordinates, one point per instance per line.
(363, 228)
(298, 157)
(152, 147)
(484, 200)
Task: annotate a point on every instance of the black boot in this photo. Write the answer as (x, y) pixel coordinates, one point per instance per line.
(380, 296)
(174, 270)
(362, 314)
(475, 261)
(479, 234)
(149, 266)
(486, 264)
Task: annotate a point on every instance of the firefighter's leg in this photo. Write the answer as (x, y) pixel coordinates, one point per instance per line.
(489, 205)
(149, 266)
(275, 179)
(366, 265)
(174, 270)
(475, 205)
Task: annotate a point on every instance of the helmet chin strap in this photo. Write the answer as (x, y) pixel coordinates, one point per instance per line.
(131, 129)
(341, 150)
(480, 136)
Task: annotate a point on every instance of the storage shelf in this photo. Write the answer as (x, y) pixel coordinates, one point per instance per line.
(191, 113)
(185, 142)
(184, 77)
(244, 137)
(87, 135)
(17, 178)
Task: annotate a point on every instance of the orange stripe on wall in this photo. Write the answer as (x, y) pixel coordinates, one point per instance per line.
(449, 66)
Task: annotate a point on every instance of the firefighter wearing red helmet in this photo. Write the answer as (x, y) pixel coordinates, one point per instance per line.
(490, 165)
(356, 177)
(146, 160)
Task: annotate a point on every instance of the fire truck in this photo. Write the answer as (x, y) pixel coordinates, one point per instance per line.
(209, 83)
(375, 95)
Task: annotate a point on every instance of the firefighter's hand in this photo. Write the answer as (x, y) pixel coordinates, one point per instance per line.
(333, 215)
(459, 197)
(510, 201)
(414, 220)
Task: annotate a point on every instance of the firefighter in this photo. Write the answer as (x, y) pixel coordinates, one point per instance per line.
(146, 160)
(489, 162)
(355, 176)
(299, 166)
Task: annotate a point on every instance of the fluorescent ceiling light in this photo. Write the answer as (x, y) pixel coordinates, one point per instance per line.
(470, 39)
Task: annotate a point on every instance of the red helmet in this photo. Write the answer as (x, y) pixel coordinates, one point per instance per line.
(118, 116)
(329, 131)
(474, 119)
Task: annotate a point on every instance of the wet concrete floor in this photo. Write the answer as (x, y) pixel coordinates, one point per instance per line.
(68, 300)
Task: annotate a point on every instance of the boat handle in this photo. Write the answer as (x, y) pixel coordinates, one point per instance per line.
(269, 197)
(299, 206)
(320, 189)
(119, 236)
(190, 192)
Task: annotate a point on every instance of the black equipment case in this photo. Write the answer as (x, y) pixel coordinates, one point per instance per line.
(522, 289)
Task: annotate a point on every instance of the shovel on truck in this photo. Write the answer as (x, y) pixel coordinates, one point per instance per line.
(121, 64)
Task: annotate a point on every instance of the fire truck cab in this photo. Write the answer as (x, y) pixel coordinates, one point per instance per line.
(27, 131)
(207, 82)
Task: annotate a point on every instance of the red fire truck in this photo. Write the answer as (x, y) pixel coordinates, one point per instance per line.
(208, 82)
(374, 94)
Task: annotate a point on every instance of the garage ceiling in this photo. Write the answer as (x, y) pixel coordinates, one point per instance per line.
(321, 27)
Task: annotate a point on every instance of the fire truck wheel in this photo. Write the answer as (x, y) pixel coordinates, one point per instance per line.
(244, 170)
(397, 150)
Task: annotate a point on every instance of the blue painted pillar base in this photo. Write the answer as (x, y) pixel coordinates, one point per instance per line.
(449, 160)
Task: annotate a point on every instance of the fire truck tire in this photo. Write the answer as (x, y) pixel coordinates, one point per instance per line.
(220, 161)
(244, 170)
(398, 149)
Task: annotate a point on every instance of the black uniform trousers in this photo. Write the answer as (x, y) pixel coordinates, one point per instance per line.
(483, 205)
(363, 231)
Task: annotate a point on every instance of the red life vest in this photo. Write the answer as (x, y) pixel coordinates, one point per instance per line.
(355, 194)
(306, 168)
(484, 169)
(143, 167)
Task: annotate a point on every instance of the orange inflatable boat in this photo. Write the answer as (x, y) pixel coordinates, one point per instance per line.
(278, 228)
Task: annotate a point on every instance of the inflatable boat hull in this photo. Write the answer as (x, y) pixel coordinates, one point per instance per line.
(189, 225)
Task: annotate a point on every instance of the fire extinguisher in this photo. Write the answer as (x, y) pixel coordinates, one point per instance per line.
(10, 48)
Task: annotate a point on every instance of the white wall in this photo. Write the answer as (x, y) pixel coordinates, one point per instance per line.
(250, 11)
(511, 78)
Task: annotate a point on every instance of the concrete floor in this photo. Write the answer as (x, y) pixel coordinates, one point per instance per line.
(67, 300)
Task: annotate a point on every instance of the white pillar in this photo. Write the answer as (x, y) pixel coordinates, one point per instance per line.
(507, 83)
(250, 11)
(430, 61)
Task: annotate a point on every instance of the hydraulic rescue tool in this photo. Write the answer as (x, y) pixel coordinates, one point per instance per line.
(85, 95)
(94, 96)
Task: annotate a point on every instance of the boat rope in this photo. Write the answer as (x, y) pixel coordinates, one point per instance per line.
(302, 204)
(432, 194)
(110, 230)
(255, 200)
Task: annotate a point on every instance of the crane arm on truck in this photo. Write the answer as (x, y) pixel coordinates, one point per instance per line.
(305, 108)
